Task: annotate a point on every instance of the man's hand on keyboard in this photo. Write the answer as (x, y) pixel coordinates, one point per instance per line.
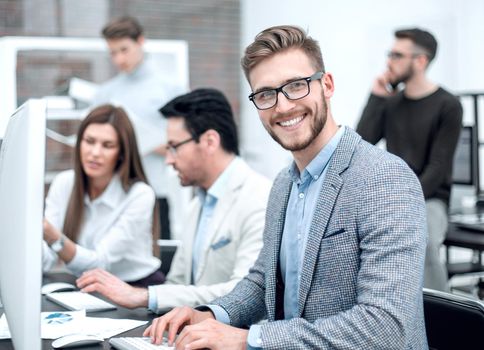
(103, 282)
(214, 335)
(173, 322)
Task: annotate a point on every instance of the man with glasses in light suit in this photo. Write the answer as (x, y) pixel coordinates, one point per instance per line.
(344, 241)
(421, 124)
(223, 232)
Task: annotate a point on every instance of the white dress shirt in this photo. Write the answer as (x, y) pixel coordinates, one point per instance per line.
(116, 233)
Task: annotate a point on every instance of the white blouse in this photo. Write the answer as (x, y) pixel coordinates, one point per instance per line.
(116, 234)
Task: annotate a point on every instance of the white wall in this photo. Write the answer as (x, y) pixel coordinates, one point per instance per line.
(354, 37)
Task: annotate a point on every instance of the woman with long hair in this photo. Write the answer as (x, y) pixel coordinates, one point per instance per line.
(101, 213)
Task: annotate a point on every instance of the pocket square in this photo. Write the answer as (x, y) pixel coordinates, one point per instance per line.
(221, 243)
(337, 232)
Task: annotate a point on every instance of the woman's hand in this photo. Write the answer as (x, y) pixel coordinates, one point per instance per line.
(51, 234)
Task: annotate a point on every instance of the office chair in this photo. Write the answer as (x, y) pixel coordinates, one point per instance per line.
(453, 321)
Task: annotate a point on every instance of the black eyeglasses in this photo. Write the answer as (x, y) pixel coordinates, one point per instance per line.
(293, 90)
(173, 147)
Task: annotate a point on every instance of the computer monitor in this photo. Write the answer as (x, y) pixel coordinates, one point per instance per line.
(464, 168)
(22, 162)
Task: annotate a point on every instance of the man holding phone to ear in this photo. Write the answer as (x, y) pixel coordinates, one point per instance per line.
(421, 124)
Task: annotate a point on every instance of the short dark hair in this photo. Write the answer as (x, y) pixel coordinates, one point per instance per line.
(123, 27)
(421, 38)
(204, 109)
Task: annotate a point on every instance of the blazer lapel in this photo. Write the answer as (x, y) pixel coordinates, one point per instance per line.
(191, 230)
(223, 206)
(324, 207)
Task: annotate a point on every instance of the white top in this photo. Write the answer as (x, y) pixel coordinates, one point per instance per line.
(117, 231)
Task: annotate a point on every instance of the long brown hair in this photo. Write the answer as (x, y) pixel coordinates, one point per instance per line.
(128, 166)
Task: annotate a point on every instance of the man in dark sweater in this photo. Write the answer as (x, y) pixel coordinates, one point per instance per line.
(421, 124)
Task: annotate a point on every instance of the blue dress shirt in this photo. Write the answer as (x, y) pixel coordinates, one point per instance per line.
(299, 214)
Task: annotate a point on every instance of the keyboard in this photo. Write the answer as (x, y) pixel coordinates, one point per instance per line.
(80, 301)
(138, 343)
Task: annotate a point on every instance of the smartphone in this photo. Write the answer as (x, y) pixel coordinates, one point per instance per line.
(391, 87)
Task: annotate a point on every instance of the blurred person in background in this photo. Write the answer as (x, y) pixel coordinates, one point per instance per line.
(141, 89)
(421, 124)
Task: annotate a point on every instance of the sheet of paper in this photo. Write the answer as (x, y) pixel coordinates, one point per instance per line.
(60, 323)
(53, 324)
(82, 90)
(108, 327)
(57, 324)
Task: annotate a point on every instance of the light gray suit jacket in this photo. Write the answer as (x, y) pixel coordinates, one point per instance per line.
(361, 281)
(234, 242)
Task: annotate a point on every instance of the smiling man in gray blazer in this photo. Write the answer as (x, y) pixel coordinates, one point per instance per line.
(345, 235)
(223, 232)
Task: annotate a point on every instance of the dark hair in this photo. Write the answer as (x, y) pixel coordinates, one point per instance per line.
(123, 27)
(278, 39)
(202, 110)
(128, 165)
(421, 38)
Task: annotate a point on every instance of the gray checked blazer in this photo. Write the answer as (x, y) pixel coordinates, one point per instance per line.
(361, 281)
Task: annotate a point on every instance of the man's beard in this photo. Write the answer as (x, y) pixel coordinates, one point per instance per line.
(316, 127)
(403, 78)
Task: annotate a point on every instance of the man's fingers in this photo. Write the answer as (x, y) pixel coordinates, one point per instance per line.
(94, 287)
(152, 330)
(159, 329)
(87, 280)
(202, 343)
(196, 336)
(147, 331)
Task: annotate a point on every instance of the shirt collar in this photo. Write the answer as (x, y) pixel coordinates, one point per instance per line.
(111, 194)
(220, 185)
(316, 167)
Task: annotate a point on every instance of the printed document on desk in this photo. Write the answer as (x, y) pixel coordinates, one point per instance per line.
(59, 323)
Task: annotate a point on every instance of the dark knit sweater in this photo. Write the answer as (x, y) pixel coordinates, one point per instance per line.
(423, 132)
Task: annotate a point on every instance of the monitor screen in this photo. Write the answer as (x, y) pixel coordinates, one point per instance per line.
(464, 162)
(22, 162)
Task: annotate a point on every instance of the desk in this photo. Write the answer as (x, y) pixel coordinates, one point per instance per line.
(459, 237)
(136, 314)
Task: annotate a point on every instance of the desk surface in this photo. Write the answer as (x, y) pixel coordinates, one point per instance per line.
(463, 238)
(136, 314)
(460, 237)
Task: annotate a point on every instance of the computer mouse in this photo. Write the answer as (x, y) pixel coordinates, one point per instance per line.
(57, 287)
(71, 340)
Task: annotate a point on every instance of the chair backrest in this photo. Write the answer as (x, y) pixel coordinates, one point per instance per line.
(453, 321)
